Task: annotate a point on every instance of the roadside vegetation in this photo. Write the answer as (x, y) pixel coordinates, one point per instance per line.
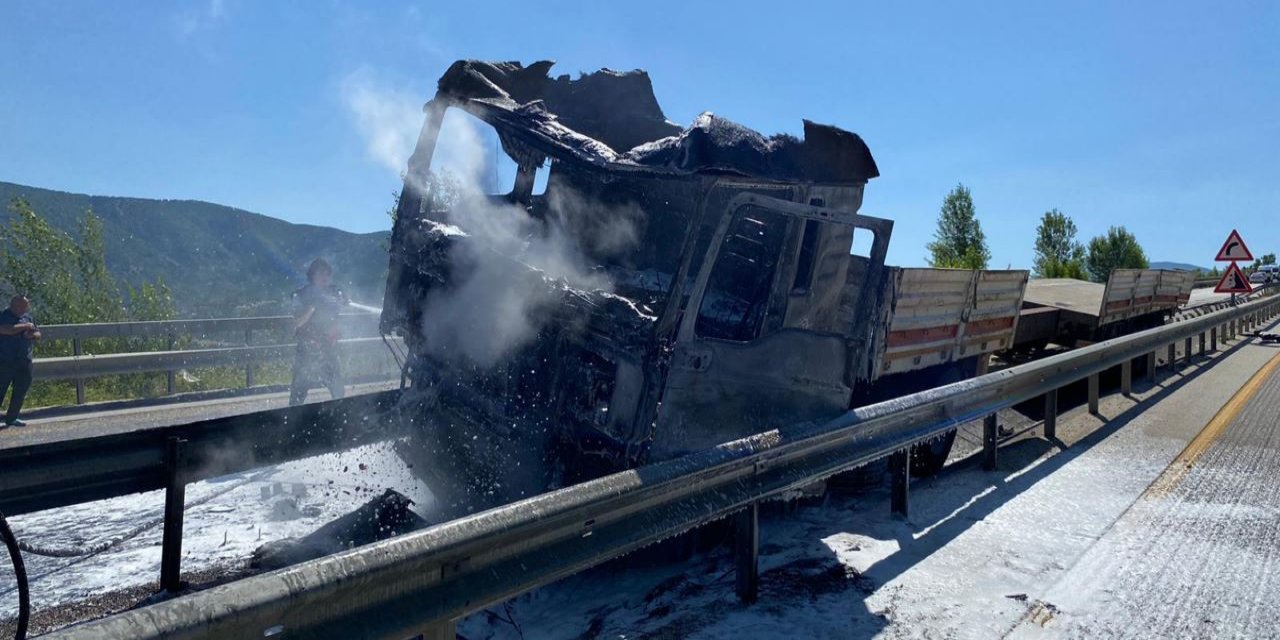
(67, 279)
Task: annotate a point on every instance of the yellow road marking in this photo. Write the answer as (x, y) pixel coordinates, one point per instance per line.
(1226, 415)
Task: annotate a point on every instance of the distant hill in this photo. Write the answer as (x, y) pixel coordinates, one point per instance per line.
(1180, 266)
(218, 260)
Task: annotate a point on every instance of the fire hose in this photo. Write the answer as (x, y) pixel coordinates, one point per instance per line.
(20, 573)
(16, 548)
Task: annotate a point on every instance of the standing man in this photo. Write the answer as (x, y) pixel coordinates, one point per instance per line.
(18, 334)
(315, 323)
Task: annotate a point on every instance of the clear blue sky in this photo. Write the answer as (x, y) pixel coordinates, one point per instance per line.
(1163, 117)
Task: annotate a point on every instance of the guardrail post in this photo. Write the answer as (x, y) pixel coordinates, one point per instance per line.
(1151, 367)
(990, 441)
(1093, 393)
(1173, 358)
(248, 368)
(1203, 353)
(78, 351)
(1186, 351)
(746, 552)
(175, 494)
(900, 485)
(172, 378)
(1213, 339)
(1051, 415)
(440, 631)
(1126, 378)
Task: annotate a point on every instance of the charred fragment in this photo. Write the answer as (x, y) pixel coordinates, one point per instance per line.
(386, 516)
(672, 289)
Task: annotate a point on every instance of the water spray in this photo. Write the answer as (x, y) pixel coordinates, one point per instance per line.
(365, 307)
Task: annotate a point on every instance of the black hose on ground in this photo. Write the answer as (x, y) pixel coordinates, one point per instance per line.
(20, 574)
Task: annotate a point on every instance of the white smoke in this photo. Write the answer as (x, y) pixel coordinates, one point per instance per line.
(387, 118)
(510, 269)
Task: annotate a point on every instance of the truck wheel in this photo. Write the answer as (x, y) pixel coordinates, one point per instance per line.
(928, 458)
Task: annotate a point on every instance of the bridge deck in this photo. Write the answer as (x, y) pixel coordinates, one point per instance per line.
(45, 428)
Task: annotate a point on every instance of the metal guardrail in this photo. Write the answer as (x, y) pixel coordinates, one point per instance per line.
(88, 366)
(81, 365)
(164, 328)
(1195, 311)
(421, 582)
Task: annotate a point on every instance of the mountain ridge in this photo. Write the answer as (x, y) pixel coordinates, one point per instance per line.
(218, 260)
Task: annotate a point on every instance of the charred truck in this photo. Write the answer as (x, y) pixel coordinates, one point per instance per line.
(710, 290)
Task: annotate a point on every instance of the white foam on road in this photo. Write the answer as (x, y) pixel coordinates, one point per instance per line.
(273, 503)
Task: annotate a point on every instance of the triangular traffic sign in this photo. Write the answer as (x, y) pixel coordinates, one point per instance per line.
(1233, 281)
(1233, 249)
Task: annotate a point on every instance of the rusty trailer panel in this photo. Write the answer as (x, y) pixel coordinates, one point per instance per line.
(1175, 286)
(1137, 292)
(935, 316)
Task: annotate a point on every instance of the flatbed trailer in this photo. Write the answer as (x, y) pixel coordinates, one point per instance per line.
(1073, 313)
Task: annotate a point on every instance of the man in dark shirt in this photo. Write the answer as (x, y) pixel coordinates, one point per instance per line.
(18, 333)
(315, 322)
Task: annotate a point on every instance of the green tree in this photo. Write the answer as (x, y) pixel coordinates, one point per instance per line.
(152, 301)
(1058, 254)
(959, 242)
(1262, 261)
(68, 282)
(1117, 249)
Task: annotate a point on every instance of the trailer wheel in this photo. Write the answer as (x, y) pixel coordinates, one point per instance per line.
(928, 458)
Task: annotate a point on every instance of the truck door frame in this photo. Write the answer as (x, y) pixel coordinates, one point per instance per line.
(880, 229)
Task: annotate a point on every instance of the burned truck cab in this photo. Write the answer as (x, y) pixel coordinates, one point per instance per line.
(667, 290)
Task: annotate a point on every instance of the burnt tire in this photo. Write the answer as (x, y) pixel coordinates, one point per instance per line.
(928, 458)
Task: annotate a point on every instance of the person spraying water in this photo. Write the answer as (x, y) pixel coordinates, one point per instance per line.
(317, 328)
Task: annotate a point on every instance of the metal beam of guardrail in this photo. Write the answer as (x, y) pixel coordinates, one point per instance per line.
(88, 366)
(199, 327)
(81, 366)
(400, 587)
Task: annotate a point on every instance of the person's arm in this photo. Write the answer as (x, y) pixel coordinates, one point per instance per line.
(15, 329)
(33, 334)
(302, 317)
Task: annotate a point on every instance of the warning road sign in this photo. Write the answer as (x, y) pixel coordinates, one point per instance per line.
(1233, 249)
(1233, 281)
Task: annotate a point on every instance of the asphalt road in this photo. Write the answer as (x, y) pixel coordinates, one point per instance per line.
(1198, 555)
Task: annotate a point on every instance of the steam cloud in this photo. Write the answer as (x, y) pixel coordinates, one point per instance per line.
(493, 306)
(388, 119)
